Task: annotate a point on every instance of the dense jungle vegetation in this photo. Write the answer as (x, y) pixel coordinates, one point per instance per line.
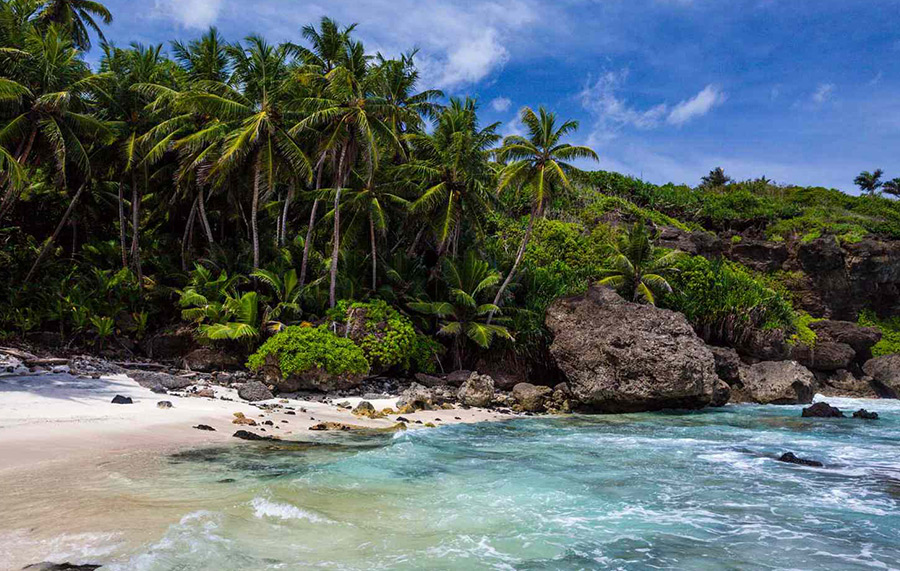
(243, 188)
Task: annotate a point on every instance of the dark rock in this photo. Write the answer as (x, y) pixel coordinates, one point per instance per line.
(402, 419)
(206, 427)
(119, 399)
(530, 397)
(618, 356)
(728, 364)
(822, 410)
(247, 435)
(207, 359)
(700, 243)
(164, 404)
(721, 394)
(885, 371)
(824, 356)
(46, 566)
(159, 389)
(776, 382)
(457, 378)
(429, 380)
(478, 390)
(255, 391)
(170, 344)
(860, 338)
(843, 383)
(153, 379)
(790, 458)
(865, 415)
(760, 255)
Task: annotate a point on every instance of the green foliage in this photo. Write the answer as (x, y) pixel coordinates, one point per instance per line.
(302, 349)
(804, 335)
(890, 332)
(217, 310)
(386, 337)
(639, 269)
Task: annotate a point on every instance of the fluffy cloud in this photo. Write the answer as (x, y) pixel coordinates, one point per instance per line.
(696, 106)
(501, 104)
(197, 14)
(823, 93)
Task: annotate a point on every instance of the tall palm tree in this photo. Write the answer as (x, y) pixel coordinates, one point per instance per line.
(538, 165)
(259, 116)
(892, 187)
(715, 179)
(639, 268)
(204, 59)
(77, 16)
(353, 121)
(452, 165)
(869, 182)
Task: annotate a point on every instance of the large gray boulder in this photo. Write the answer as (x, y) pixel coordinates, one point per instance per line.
(166, 381)
(619, 356)
(860, 339)
(478, 390)
(530, 398)
(776, 382)
(885, 371)
(728, 364)
(255, 391)
(824, 356)
(416, 397)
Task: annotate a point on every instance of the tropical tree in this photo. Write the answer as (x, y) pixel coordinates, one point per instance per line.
(869, 182)
(538, 165)
(78, 17)
(286, 292)
(715, 179)
(892, 187)
(464, 316)
(638, 268)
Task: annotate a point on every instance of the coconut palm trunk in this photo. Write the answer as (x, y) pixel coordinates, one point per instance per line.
(282, 236)
(519, 255)
(336, 241)
(56, 233)
(188, 231)
(312, 222)
(374, 252)
(254, 228)
(136, 229)
(204, 221)
(123, 223)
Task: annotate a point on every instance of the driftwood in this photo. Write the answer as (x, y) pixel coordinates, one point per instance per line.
(141, 366)
(21, 355)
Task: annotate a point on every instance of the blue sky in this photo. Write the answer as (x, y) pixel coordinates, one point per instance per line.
(801, 91)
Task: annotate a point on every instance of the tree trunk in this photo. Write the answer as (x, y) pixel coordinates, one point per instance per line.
(188, 227)
(122, 225)
(519, 257)
(284, 215)
(56, 232)
(136, 230)
(336, 241)
(254, 229)
(312, 222)
(374, 252)
(12, 194)
(204, 221)
(415, 242)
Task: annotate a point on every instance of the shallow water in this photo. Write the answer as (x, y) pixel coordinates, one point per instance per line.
(694, 490)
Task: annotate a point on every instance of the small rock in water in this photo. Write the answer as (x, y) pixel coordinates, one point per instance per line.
(46, 566)
(790, 458)
(205, 427)
(245, 435)
(402, 419)
(865, 415)
(164, 404)
(119, 399)
(822, 410)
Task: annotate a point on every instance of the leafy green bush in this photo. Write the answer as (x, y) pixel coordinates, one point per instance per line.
(890, 332)
(300, 349)
(386, 337)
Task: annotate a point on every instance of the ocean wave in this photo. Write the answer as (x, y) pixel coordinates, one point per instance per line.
(267, 508)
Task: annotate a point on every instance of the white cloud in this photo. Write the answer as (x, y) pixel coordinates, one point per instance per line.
(823, 93)
(877, 79)
(501, 104)
(696, 106)
(514, 127)
(197, 14)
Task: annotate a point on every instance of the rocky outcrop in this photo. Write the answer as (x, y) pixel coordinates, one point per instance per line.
(207, 360)
(416, 397)
(822, 410)
(776, 382)
(530, 398)
(728, 364)
(618, 356)
(759, 255)
(791, 458)
(255, 391)
(153, 380)
(478, 390)
(824, 356)
(701, 243)
(721, 394)
(885, 371)
(312, 380)
(865, 415)
(860, 339)
(842, 383)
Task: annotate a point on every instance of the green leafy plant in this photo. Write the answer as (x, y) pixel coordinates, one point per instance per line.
(386, 336)
(300, 349)
(890, 332)
(638, 267)
(104, 327)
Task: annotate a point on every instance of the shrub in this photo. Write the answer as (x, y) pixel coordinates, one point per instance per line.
(890, 332)
(300, 349)
(386, 337)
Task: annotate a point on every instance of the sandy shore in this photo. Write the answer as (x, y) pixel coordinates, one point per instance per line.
(57, 417)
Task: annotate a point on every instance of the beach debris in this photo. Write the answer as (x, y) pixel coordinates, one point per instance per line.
(164, 404)
(47, 566)
(205, 427)
(239, 418)
(119, 399)
(790, 458)
(255, 391)
(822, 410)
(246, 435)
(205, 393)
(344, 404)
(865, 415)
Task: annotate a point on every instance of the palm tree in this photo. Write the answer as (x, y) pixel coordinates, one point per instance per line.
(259, 119)
(76, 16)
(538, 165)
(353, 122)
(869, 182)
(892, 187)
(286, 289)
(639, 268)
(451, 165)
(204, 59)
(715, 179)
(464, 316)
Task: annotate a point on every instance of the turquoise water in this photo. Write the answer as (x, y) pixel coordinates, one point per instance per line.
(644, 491)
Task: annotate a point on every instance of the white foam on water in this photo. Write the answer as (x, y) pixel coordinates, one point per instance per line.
(266, 508)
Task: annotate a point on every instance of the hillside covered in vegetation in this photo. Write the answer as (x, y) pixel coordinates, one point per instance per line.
(238, 189)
